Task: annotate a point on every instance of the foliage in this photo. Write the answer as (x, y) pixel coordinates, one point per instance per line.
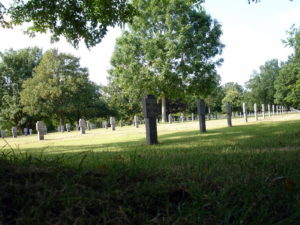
(59, 87)
(261, 84)
(234, 95)
(287, 83)
(86, 20)
(169, 50)
(15, 68)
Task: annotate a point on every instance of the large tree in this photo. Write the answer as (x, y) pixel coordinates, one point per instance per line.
(169, 50)
(261, 84)
(287, 83)
(59, 87)
(15, 68)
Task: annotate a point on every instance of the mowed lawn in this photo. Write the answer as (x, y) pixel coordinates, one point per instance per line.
(246, 174)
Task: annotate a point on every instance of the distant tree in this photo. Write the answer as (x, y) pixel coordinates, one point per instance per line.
(59, 87)
(234, 95)
(169, 51)
(287, 83)
(261, 84)
(15, 68)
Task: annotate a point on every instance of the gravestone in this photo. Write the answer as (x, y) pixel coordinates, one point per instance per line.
(150, 110)
(263, 110)
(245, 112)
(105, 124)
(193, 117)
(136, 121)
(201, 115)
(120, 123)
(2, 133)
(182, 117)
(14, 132)
(273, 110)
(40, 127)
(25, 130)
(112, 121)
(30, 131)
(255, 111)
(229, 114)
(276, 109)
(68, 127)
(269, 110)
(45, 130)
(170, 118)
(82, 126)
(88, 124)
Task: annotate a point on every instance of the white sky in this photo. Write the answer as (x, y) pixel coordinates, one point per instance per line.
(252, 35)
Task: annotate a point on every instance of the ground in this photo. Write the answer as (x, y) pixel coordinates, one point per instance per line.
(246, 174)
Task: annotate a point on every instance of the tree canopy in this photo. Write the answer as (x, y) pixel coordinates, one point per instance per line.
(59, 87)
(169, 50)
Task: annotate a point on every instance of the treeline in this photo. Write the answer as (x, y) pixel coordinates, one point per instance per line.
(50, 86)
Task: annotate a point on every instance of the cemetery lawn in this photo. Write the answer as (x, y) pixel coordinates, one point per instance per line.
(246, 174)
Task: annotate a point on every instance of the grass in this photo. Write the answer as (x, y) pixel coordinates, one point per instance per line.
(246, 174)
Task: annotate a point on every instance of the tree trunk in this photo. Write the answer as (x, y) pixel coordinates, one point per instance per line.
(163, 108)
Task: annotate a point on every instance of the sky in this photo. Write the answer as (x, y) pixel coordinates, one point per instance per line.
(252, 34)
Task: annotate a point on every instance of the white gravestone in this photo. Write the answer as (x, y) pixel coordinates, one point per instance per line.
(263, 110)
(82, 126)
(182, 118)
(255, 111)
(40, 127)
(112, 121)
(136, 121)
(245, 112)
(68, 127)
(170, 118)
(30, 131)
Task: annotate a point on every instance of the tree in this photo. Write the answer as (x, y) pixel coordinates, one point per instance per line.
(287, 83)
(59, 87)
(15, 68)
(234, 95)
(261, 84)
(86, 20)
(169, 50)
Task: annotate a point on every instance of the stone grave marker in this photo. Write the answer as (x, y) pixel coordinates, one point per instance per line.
(273, 110)
(263, 110)
(120, 123)
(245, 112)
(201, 115)
(25, 130)
(269, 110)
(112, 121)
(88, 124)
(193, 117)
(136, 121)
(82, 126)
(170, 119)
(2, 133)
(150, 110)
(255, 111)
(181, 117)
(68, 127)
(229, 114)
(30, 131)
(14, 132)
(40, 127)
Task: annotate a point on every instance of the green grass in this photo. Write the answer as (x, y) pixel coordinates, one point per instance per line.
(246, 174)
